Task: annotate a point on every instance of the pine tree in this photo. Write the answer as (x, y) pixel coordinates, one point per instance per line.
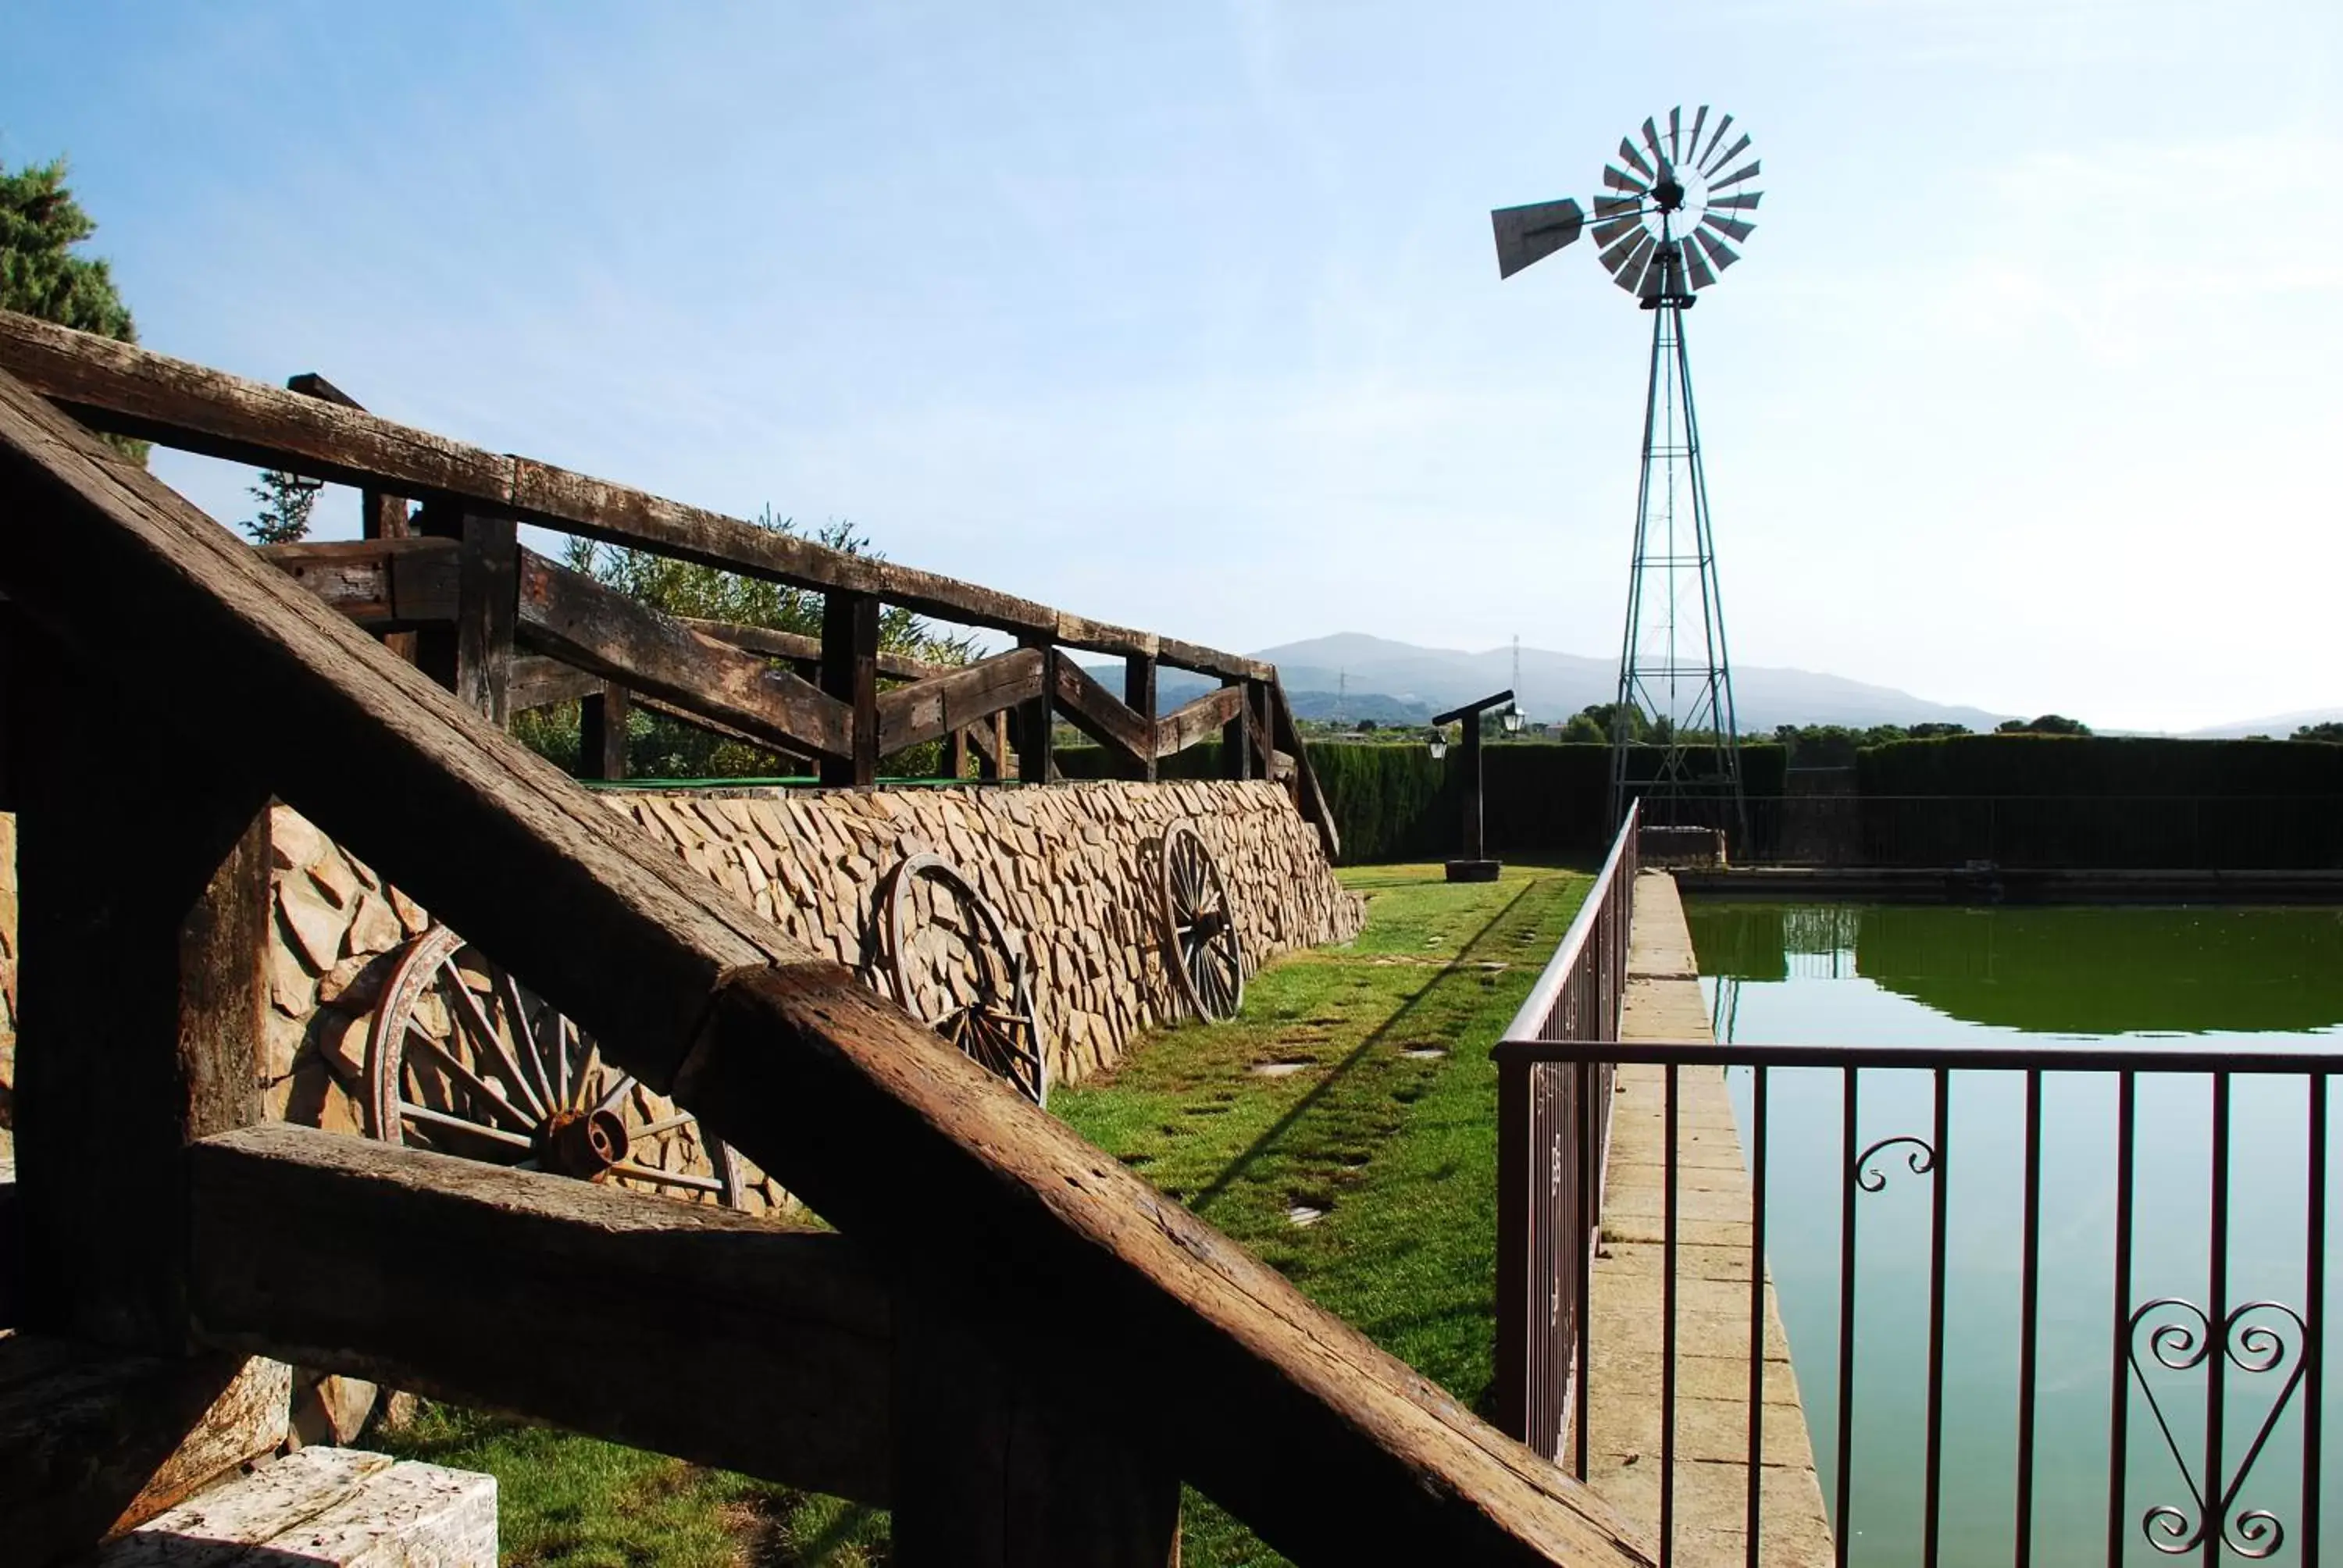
(40, 223)
(285, 501)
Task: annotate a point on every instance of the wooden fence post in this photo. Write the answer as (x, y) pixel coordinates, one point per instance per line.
(473, 659)
(1236, 753)
(1138, 696)
(849, 672)
(1037, 719)
(988, 1474)
(381, 516)
(143, 919)
(602, 733)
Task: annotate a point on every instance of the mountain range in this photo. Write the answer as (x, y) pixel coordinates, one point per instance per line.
(1354, 676)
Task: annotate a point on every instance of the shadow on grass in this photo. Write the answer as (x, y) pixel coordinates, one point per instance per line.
(1235, 1169)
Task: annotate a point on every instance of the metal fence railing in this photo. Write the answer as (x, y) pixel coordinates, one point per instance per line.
(2092, 1289)
(1552, 1139)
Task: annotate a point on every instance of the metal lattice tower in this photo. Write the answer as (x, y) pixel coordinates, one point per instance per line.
(1665, 230)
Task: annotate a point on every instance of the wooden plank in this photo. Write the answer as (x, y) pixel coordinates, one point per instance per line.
(540, 682)
(1033, 720)
(142, 990)
(573, 617)
(940, 704)
(991, 1472)
(95, 1441)
(380, 515)
(1185, 725)
(723, 731)
(965, 1194)
(723, 1338)
(602, 733)
(1129, 739)
(1138, 696)
(381, 584)
(120, 387)
(805, 651)
(472, 655)
(1308, 796)
(849, 675)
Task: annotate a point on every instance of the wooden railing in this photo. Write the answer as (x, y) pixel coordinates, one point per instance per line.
(160, 1223)
(1554, 1137)
(454, 580)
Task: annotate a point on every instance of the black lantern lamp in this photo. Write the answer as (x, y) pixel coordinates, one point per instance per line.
(1474, 866)
(1511, 719)
(1436, 741)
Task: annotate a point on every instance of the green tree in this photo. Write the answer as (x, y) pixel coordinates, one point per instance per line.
(40, 223)
(2326, 730)
(286, 501)
(2048, 724)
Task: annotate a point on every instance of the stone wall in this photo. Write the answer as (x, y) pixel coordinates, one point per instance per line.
(1070, 868)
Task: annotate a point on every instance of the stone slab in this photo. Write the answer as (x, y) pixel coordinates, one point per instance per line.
(325, 1506)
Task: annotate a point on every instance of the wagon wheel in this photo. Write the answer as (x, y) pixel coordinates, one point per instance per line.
(953, 964)
(461, 1058)
(1200, 928)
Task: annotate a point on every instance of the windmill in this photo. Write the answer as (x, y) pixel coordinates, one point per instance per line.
(1676, 204)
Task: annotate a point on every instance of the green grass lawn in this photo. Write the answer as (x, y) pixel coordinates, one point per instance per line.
(1378, 1113)
(1397, 1151)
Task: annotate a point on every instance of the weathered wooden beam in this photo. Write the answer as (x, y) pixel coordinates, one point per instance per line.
(577, 620)
(722, 1338)
(473, 656)
(380, 515)
(805, 651)
(1129, 739)
(849, 675)
(602, 733)
(965, 1195)
(538, 681)
(1138, 696)
(1034, 721)
(721, 731)
(94, 1442)
(941, 704)
(381, 584)
(1192, 722)
(1236, 755)
(1308, 798)
(123, 387)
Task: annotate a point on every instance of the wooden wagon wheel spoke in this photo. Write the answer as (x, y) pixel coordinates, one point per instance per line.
(1201, 945)
(953, 962)
(513, 1082)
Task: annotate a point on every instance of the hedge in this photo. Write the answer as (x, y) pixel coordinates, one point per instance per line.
(2098, 765)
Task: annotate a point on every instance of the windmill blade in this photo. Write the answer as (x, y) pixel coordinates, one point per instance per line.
(1723, 126)
(1675, 126)
(1719, 252)
(1652, 140)
(1740, 200)
(1528, 234)
(1692, 141)
(1615, 255)
(1605, 233)
(1616, 207)
(1697, 266)
(1631, 275)
(1735, 177)
(1726, 226)
(1635, 160)
(1618, 179)
(1730, 153)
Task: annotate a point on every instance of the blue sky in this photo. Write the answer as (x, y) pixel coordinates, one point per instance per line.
(1185, 316)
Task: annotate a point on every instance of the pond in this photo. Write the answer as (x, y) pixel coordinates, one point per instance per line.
(2153, 978)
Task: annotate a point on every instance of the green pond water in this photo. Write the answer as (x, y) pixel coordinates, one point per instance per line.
(2158, 979)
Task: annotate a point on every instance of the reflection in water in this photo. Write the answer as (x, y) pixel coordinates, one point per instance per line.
(2060, 969)
(1903, 975)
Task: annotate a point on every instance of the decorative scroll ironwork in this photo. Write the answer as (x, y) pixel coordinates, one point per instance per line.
(2254, 1344)
(1920, 1160)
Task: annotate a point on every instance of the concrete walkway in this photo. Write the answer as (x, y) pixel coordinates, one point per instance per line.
(1713, 1236)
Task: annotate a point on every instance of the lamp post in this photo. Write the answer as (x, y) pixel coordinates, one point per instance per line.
(1474, 865)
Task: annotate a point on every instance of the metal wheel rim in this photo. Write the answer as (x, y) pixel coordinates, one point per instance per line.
(997, 1029)
(523, 1086)
(1201, 943)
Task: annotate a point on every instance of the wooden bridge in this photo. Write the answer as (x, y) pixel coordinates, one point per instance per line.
(172, 1248)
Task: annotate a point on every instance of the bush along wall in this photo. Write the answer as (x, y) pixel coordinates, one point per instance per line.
(1395, 803)
(2102, 803)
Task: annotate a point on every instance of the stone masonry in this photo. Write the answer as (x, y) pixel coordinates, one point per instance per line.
(1068, 867)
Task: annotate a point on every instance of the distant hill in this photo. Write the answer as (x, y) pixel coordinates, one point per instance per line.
(2277, 726)
(1397, 682)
